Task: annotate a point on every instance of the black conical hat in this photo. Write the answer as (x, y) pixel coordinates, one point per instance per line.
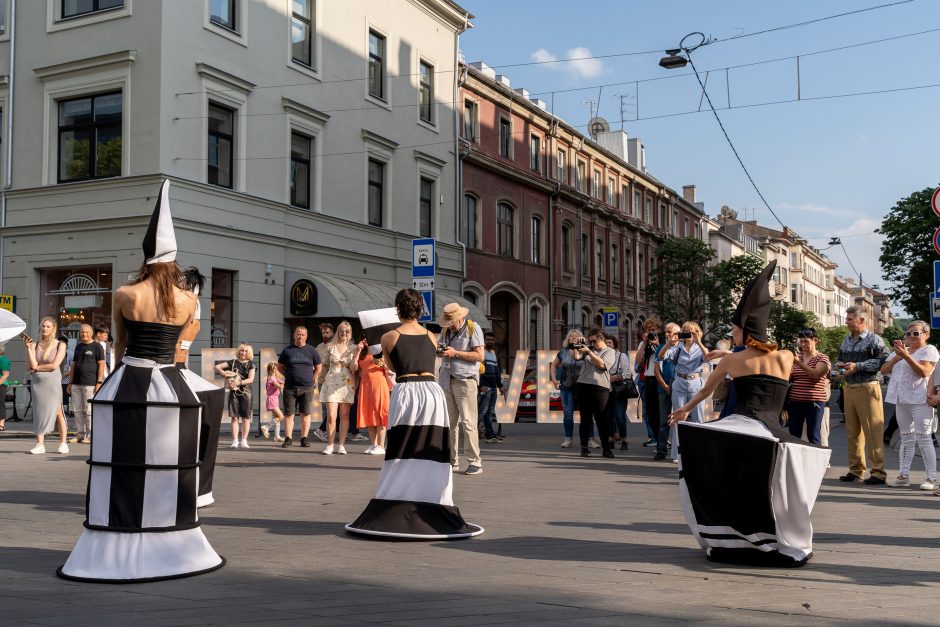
(160, 240)
(754, 307)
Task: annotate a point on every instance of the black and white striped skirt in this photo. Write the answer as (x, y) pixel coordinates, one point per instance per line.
(212, 398)
(414, 498)
(141, 522)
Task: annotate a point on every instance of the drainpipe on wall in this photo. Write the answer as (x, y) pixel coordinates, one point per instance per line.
(8, 136)
(458, 160)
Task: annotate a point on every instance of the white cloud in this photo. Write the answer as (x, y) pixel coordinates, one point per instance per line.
(824, 209)
(862, 226)
(580, 66)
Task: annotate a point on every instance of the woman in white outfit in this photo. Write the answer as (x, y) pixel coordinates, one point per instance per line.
(910, 367)
(43, 359)
(339, 386)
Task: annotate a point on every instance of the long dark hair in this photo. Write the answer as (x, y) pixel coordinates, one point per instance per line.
(192, 279)
(165, 277)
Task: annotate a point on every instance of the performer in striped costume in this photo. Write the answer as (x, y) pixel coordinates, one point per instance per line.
(141, 522)
(414, 498)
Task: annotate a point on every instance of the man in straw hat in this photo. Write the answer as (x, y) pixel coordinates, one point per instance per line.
(461, 350)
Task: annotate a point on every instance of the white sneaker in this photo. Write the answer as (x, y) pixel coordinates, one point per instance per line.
(928, 485)
(279, 438)
(39, 449)
(377, 450)
(368, 450)
(341, 450)
(63, 449)
(245, 444)
(265, 432)
(320, 434)
(234, 443)
(566, 443)
(328, 450)
(592, 443)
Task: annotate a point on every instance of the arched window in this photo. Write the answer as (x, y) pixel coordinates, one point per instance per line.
(505, 229)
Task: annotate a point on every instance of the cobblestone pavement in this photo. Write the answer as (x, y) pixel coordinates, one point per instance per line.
(568, 540)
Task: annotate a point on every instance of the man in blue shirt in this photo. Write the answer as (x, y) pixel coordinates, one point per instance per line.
(300, 364)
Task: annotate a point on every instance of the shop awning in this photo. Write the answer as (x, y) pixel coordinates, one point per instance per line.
(340, 297)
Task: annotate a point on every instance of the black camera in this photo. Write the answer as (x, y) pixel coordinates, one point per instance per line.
(576, 346)
(441, 348)
(685, 336)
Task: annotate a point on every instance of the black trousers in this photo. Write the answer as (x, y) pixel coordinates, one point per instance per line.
(592, 403)
(651, 403)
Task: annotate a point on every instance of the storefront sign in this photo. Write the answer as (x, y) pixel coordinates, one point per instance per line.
(303, 298)
(8, 302)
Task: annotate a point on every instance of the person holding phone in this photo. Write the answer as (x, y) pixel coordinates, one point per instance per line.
(911, 366)
(686, 351)
(43, 359)
(808, 383)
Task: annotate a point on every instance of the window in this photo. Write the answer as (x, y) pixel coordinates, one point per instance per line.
(301, 32)
(3, 16)
(63, 285)
(675, 223)
(585, 260)
(425, 91)
(793, 261)
(649, 210)
(536, 243)
(535, 152)
(610, 191)
(90, 141)
(470, 120)
(624, 199)
(662, 216)
(72, 8)
(376, 65)
(468, 229)
(637, 207)
(686, 231)
(579, 177)
(566, 247)
(628, 266)
(698, 231)
(221, 145)
(300, 170)
(505, 138)
(222, 12)
(641, 272)
(376, 191)
(223, 282)
(794, 294)
(504, 232)
(596, 184)
(599, 259)
(424, 207)
(560, 165)
(614, 264)
(534, 327)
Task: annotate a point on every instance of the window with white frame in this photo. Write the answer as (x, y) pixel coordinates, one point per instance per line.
(535, 152)
(74, 8)
(596, 184)
(624, 199)
(90, 137)
(560, 167)
(223, 13)
(470, 120)
(505, 138)
(376, 183)
(376, 65)
(426, 92)
(220, 170)
(579, 176)
(536, 240)
(302, 32)
(301, 149)
(610, 191)
(425, 206)
(649, 210)
(614, 264)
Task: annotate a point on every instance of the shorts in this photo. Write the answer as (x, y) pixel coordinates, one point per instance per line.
(273, 402)
(298, 401)
(239, 405)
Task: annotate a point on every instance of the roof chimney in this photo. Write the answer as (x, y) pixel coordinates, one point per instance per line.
(688, 192)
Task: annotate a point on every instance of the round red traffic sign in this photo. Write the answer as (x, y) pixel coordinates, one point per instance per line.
(936, 240)
(935, 201)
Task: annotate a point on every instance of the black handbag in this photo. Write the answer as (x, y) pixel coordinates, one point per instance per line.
(625, 389)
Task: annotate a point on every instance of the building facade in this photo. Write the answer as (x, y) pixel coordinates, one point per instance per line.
(305, 140)
(558, 225)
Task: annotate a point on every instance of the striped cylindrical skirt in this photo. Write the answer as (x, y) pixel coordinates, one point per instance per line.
(212, 398)
(141, 522)
(414, 498)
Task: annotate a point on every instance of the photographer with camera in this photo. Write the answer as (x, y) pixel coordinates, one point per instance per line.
(646, 367)
(564, 373)
(461, 349)
(593, 389)
(684, 349)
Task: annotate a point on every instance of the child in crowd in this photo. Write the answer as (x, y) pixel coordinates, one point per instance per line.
(274, 383)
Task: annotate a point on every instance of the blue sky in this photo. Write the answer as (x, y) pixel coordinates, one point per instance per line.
(827, 167)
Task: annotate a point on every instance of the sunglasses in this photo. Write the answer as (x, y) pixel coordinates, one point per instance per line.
(914, 333)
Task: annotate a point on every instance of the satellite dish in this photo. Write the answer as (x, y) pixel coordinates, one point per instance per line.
(597, 126)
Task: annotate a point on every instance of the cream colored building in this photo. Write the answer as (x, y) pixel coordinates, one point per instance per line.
(305, 139)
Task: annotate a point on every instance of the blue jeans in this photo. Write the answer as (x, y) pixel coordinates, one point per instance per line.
(567, 410)
(682, 392)
(810, 412)
(641, 388)
(486, 410)
(617, 415)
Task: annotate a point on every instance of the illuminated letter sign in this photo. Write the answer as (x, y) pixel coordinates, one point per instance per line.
(303, 298)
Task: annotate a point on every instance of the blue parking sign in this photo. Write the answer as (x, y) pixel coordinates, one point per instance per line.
(611, 319)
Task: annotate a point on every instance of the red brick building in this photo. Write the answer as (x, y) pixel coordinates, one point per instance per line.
(557, 225)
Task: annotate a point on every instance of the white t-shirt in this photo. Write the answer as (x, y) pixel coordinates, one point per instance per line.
(906, 387)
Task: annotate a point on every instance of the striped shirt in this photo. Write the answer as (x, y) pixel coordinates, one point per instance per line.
(802, 387)
(868, 352)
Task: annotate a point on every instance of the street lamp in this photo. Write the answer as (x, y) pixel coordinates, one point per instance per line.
(673, 60)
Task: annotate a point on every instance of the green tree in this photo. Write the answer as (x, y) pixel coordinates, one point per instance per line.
(892, 333)
(786, 321)
(830, 340)
(683, 279)
(730, 277)
(907, 252)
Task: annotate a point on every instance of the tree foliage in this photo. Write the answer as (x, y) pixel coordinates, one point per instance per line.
(786, 321)
(730, 277)
(679, 287)
(830, 340)
(907, 252)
